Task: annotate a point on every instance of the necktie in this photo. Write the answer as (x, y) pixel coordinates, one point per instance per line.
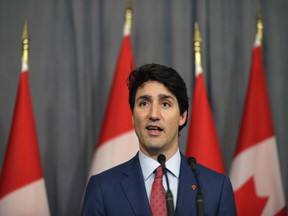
(158, 194)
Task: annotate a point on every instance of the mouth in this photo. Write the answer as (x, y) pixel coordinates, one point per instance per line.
(154, 130)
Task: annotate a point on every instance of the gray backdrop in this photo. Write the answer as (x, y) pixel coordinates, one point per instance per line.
(74, 49)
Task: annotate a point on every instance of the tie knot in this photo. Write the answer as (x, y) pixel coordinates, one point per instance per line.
(159, 172)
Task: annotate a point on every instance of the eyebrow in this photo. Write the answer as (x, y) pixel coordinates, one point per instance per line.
(161, 96)
(164, 96)
(143, 97)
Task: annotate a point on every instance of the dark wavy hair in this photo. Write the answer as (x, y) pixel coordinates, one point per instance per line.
(169, 77)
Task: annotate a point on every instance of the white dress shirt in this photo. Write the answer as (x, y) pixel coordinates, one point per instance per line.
(148, 165)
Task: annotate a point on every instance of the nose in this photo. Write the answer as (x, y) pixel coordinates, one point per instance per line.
(154, 113)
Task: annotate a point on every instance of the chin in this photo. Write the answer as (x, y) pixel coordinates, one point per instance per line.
(155, 147)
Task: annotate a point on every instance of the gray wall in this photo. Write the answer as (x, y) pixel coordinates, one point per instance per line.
(74, 49)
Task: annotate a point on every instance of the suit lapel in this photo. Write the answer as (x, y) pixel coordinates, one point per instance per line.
(134, 188)
(186, 198)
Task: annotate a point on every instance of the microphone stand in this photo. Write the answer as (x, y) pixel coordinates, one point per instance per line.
(169, 196)
(199, 196)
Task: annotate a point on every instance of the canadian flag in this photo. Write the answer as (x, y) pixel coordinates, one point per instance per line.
(202, 138)
(255, 171)
(118, 141)
(22, 187)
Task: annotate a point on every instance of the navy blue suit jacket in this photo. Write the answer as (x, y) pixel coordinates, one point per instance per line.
(121, 191)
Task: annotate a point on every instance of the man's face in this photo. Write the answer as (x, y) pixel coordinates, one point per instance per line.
(156, 118)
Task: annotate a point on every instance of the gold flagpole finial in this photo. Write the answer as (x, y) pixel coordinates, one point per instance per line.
(128, 18)
(25, 43)
(259, 23)
(197, 44)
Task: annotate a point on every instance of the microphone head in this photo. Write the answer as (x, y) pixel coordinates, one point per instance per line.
(161, 158)
(191, 161)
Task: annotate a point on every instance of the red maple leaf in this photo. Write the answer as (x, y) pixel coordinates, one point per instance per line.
(247, 201)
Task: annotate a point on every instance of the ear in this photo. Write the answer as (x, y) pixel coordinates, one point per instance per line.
(182, 118)
(132, 119)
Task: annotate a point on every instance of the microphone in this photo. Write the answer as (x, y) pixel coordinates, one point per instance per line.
(169, 196)
(199, 196)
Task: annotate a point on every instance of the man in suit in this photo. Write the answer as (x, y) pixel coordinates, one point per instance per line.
(159, 104)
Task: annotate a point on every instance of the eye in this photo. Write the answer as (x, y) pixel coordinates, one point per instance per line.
(143, 103)
(166, 104)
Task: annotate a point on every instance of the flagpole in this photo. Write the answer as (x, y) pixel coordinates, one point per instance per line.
(25, 44)
(194, 5)
(259, 24)
(128, 18)
(197, 44)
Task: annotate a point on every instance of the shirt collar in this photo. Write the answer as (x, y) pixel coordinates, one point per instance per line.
(148, 165)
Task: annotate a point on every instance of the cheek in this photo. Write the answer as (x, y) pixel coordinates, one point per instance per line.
(136, 119)
(139, 115)
(175, 122)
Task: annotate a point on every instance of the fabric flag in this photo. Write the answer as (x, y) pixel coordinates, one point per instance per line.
(118, 141)
(202, 138)
(22, 187)
(255, 171)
